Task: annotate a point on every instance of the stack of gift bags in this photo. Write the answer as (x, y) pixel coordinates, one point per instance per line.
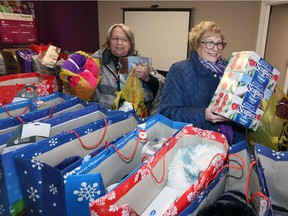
(62, 154)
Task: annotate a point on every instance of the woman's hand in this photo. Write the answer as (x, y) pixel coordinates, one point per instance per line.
(212, 117)
(141, 71)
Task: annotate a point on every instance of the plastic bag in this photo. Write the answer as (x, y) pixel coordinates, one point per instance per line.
(271, 131)
(81, 73)
(132, 92)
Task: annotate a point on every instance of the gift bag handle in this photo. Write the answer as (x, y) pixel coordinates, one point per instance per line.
(127, 158)
(247, 187)
(225, 166)
(97, 144)
(163, 164)
(9, 114)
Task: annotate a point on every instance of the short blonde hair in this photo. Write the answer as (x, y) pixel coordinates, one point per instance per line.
(127, 31)
(197, 32)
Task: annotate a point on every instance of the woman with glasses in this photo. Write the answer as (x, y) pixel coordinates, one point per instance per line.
(120, 43)
(190, 84)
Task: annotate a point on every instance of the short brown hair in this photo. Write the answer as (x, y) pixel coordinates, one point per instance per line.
(197, 32)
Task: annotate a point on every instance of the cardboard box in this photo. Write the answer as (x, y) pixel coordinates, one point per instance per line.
(245, 89)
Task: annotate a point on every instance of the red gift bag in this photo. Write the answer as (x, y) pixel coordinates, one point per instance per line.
(11, 85)
(134, 194)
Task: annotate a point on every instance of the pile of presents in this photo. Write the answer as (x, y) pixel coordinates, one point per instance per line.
(63, 155)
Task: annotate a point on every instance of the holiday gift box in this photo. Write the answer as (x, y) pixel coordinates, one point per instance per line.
(11, 85)
(274, 164)
(245, 88)
(72, 104)
(28, 105)
(96, 176)
(41, 168)
(185, 176)
(241, 177)
(11, 197)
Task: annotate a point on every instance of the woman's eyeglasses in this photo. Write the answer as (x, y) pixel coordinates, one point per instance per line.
(210, 45)
(123, 40)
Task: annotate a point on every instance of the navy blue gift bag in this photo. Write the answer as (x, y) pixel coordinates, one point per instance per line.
(275, 166)
(41, 168)
(92, 179)
(30, 105)
(242, 175)
(72, 104)
(11, 144)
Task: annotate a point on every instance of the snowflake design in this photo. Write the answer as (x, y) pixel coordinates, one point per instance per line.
(172, 211)
(1, 174)
(277, 154)
(73, 172)
(37, 164)
(89, 130)
(53, 189)
(33, 194)
(114, 208)
(191, 196)
(263, 207)
(93, 213)
(42, 88)
(111, 195)
(142, 172)
(35, 155)
(2, 210)
(53, 142)
(87, 192)
(109, 122)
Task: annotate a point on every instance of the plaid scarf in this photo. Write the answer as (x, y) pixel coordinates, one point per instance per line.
(217, 67)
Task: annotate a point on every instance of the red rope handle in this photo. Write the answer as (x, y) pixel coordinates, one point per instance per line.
(127, 158)
(97, 144)
(247, 187)
(163, 173)
(228, 166)
(51, 112)
(9, 114)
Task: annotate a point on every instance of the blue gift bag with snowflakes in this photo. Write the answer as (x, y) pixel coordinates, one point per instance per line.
(72, 104)
(29, 105)
(11, 198)
(275, 166)
(94, 178)
(232, 179)
(42, 167)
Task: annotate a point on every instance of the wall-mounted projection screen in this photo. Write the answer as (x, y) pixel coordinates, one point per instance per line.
(161, 34)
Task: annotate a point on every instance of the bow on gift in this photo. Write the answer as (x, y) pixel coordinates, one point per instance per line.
(81, 72)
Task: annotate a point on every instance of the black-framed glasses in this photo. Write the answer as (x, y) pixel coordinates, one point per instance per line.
(210, 45)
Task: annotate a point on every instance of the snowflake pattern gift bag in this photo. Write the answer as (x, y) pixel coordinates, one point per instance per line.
(42, 167)
(28, 105)
(235, 177)
(275, 165)
(92, 179)
(11, 198)
(72, 104)
(133, 195)
(10, 85)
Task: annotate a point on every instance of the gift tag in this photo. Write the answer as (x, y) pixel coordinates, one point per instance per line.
(36, 129)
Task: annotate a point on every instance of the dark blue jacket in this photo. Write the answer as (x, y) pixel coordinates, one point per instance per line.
(187, 92)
